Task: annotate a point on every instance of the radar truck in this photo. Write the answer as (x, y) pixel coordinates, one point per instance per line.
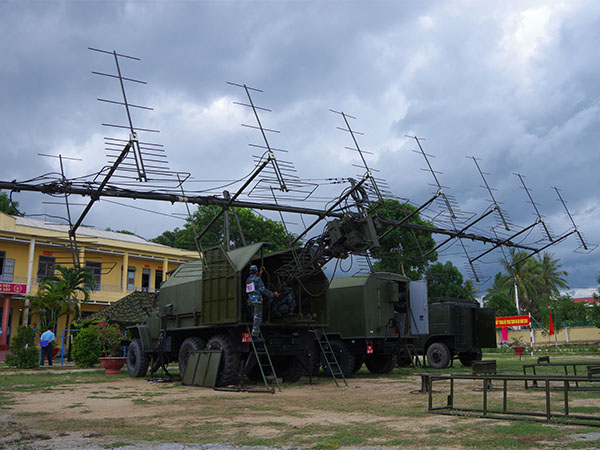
(381, 318)
(204, 305)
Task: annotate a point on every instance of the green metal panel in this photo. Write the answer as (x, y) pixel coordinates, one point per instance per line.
(202, 368)
(485, 327)
(362, 305)
(220, 292)
(241, 257)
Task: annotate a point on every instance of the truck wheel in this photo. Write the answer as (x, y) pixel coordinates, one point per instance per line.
(289, 368)
(229, 368)
(358, 362)
(137, 359)
(344, 357)
(438, 355)
(380, 363)
(191, 344)
(467, 358)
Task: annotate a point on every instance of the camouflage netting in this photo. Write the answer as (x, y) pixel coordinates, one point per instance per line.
(130, 310)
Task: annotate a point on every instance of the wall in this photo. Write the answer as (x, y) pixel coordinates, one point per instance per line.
(571, 335)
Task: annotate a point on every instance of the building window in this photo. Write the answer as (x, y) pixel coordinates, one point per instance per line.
(157, 280)
(130, 278)
(96, 269)
(146, 279)
(45, 267)
(7, 268)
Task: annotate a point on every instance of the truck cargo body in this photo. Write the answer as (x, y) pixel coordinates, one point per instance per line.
(204, 304)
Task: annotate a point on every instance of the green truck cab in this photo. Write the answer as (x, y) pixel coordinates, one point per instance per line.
(204, 305)
(457, 328)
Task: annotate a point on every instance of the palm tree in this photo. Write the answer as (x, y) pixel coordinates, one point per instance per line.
(551, 277)
(523, 273)
(59, 294)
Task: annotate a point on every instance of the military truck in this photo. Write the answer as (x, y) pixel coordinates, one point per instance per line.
(372, 319)
(381, 318)
(457, 328)
(204, 305)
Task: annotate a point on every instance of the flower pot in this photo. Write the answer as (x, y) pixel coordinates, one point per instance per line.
(55, 351)
(519, 350)
(112, 364)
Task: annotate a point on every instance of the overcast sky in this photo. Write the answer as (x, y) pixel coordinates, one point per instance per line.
(513, 83)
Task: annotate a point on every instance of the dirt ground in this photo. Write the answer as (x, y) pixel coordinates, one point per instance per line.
(370, 412)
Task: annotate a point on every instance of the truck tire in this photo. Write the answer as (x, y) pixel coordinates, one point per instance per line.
(229, 368)
(137, 359)
(380, 363)
(191, 344)
(344, 357)
(467, 358)
(358, 362)
(289, 368)
(438, 355)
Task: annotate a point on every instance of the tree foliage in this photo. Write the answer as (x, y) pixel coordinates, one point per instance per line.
(61, 293)
(255, 228)
(8, 207)
(445, 280)
(402, 250)
(538, 281)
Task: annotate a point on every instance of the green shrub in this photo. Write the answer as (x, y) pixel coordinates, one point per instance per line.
(23, 352)
(86, 347)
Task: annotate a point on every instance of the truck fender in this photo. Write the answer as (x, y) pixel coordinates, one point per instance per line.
(444, 339)
(141, 332)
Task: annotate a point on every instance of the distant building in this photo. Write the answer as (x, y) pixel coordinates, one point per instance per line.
(121, 264)
(587, 300)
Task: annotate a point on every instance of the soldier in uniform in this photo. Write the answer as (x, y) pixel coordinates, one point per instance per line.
(285, 304)
(256, 289)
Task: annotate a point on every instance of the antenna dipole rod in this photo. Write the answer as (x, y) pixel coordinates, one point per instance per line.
(540, 219)
(450, 210)
(491, 193)
(139, 162)
(416, 211)
(262, 131)
(465, 228)
(379, 196)
(571, 217)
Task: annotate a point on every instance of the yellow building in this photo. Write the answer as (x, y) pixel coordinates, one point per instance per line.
(121, 263)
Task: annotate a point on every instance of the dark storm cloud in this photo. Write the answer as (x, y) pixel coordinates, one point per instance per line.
(510, 82)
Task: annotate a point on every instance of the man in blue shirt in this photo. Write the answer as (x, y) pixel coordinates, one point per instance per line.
(46, 340)
(255, 288)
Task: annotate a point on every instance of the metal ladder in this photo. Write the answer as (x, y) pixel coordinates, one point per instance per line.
(411, 351)
(264, 362)
(329, 357)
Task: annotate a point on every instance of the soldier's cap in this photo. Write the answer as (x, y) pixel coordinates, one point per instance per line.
(253, 269)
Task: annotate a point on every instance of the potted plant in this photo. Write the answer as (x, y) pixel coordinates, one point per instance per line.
(111, 350)
(518, 347)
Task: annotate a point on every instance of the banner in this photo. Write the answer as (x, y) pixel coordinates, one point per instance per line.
(12, 288)
(551, 326)
(512, 321)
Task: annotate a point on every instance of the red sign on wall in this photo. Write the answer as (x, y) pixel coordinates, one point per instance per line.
(512, 321)
(13, 288)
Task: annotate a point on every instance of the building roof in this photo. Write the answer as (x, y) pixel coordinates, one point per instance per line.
(588, 300)
(28, 227)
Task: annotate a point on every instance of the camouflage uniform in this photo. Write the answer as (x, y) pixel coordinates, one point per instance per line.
(284, 305)
(255, 299)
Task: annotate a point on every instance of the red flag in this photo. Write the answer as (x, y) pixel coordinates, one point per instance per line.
(551, 326)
